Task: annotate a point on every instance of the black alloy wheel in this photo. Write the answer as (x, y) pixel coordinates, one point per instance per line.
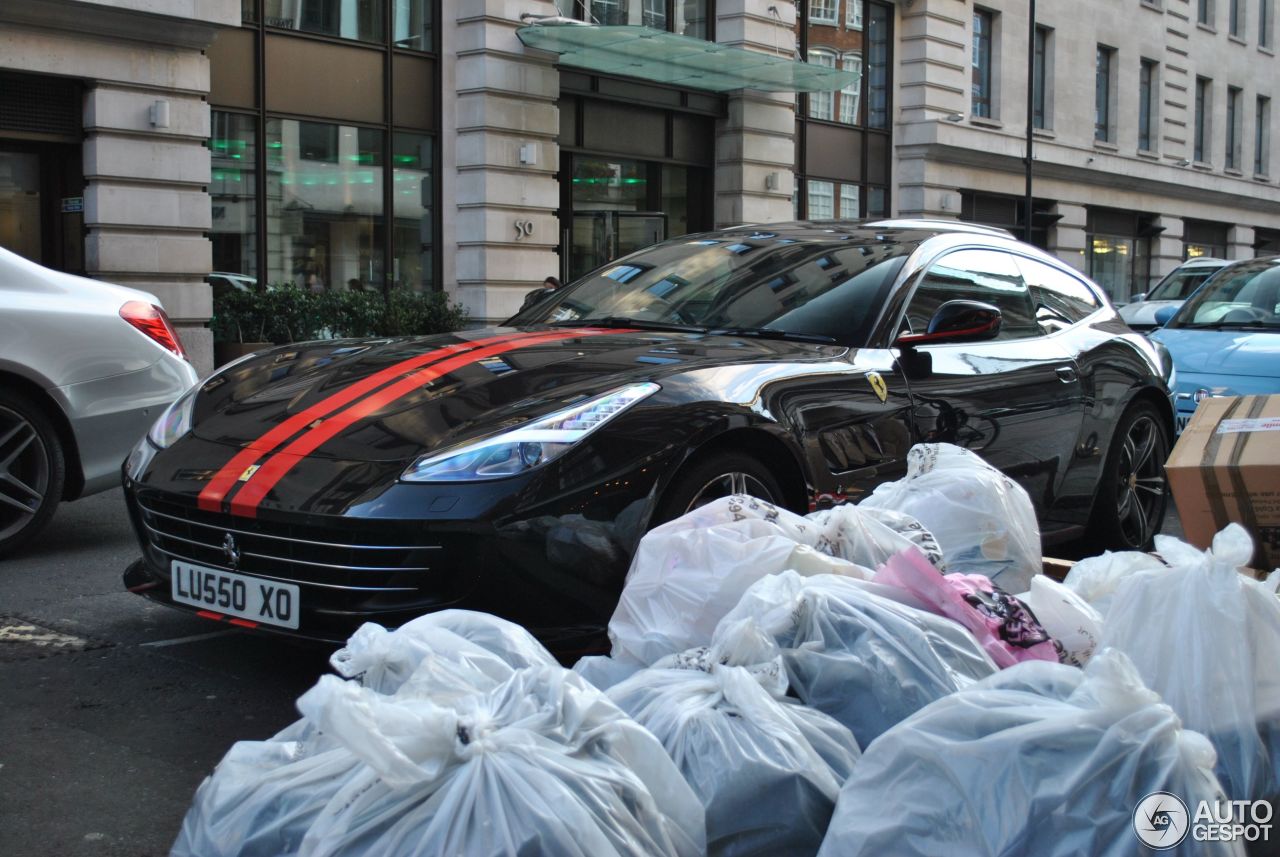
(32, 471)
(718, 475)
(1134, 493)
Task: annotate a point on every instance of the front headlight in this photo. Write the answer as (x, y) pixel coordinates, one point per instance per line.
(529, 446)
(175, 421)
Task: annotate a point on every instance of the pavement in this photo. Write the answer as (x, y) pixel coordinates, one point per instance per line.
(113, 709)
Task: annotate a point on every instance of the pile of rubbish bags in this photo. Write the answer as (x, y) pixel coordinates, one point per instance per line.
(891, 677)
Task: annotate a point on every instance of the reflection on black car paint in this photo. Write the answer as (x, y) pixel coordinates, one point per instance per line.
(778, 346)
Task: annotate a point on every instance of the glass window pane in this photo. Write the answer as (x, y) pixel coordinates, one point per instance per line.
(347, 19)
(982, 27)
(411, 25)
(851, 96)
(233, 195)
(324, 217)
(853, 14)
(850, 202)
(248, 11)
(821, 200)
(822, 11)
(878, 67)
(979, 275)
(822, 104)
(691, 18)
(877, 202)
(639, 13)
(412, 189)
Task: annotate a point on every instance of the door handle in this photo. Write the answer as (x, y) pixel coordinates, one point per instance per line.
(1066, 374)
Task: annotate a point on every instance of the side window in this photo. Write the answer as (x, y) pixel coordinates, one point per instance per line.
(989, 276)
(1060, 299)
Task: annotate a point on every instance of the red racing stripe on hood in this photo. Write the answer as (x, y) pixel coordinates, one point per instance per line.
(246, 500)
(212, 495)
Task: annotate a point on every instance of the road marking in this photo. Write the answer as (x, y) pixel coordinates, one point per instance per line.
(194, 638)
(37, 636)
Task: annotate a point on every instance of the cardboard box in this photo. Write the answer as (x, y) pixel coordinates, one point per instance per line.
(1226, 467)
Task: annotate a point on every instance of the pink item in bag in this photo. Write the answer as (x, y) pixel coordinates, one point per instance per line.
(1004, 626)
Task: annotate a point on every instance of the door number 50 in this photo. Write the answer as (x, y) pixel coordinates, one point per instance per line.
(524, 229)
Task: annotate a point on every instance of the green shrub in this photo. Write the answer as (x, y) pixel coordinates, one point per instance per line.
(286, 313)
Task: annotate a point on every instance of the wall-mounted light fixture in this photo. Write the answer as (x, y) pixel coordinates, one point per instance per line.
(529, 154)
(955, 117)
(160, 114)
(772, 180)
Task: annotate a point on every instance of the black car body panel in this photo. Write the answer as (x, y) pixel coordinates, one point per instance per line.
(283, 461)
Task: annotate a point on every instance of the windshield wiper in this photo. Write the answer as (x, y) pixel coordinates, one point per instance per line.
(616, 321)
(1231, 325)
(773, 333)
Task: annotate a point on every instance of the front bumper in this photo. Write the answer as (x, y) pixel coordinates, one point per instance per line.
(544, 565)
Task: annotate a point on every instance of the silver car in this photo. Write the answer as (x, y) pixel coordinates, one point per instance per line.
(1169, 292)
(85, 367)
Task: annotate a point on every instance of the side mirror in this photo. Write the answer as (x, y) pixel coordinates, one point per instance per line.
(957, 321)
(1164, 314)
(1138, 298)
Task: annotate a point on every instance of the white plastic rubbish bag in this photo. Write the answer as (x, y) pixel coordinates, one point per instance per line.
(689, 572)
(264, 795)
(1067, 617)
(382, 660)
(1041, 759)
(767, 769)
(1095, 578)
(983, 521)
(854, 650)
(1206, 638)
(541, 764)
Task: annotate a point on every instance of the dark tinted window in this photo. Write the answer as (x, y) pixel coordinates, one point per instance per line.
(976, 275)
(1060, 299)
(829, 288)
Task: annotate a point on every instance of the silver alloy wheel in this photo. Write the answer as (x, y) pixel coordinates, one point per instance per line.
(1142, 490)
(24, 472)
(727, 484)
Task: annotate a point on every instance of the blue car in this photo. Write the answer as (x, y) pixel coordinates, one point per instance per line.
(1225, 340)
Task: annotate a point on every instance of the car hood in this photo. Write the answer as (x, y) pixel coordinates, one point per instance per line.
(1143, 313)
(1224, 352)
(395, 399)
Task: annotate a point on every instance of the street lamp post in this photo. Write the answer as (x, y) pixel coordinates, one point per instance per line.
(1031, 106)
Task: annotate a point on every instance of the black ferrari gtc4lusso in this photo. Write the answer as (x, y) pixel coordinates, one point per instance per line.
(310, 487)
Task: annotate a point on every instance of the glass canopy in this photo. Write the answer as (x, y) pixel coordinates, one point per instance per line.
(676, 60)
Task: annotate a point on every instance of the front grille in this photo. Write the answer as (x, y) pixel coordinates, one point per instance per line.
(365, 558)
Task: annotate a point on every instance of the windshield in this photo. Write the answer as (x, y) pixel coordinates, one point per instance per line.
(747, 282)
(1179, 285)
(1243, 296)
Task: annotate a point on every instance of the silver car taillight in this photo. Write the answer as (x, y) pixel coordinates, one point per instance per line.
(152, 321)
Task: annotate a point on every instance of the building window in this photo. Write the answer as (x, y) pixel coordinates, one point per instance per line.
(360, 20)
(248, 11)
(690, 16)
(1235, 26)
(851, 96)
(983, 26)
(411, 24)
(823, 11)
(325, 218)
(233, 182)
(1146, 106)
(1264, 23)
(1039, 109)
(1102, 94)
(1203, 105)
(822, 104)
(1119, 251)
(1233, 128)
(850, 202)
(1262, 137)
(1203, 238)
(1204, 12)
(412, 194)
(878, 67)
(853, 14)
(822, 201)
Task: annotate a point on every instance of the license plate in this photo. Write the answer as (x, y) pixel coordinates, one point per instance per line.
(1181, 421)
(252, 598)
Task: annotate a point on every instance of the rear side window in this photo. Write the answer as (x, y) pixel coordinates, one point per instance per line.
(989, 276)
(1060, 299)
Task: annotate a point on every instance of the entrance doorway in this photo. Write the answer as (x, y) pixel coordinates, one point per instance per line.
(42, 203)
(619, 205)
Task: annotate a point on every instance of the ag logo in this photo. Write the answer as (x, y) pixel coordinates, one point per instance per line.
(1161, 820)
(877, 384)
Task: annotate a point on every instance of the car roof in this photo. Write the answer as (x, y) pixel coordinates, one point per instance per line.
(907, 230)
(1203, 262)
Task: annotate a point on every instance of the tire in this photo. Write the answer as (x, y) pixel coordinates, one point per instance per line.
(32, 471)
(718, 475)
(1133, 492)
